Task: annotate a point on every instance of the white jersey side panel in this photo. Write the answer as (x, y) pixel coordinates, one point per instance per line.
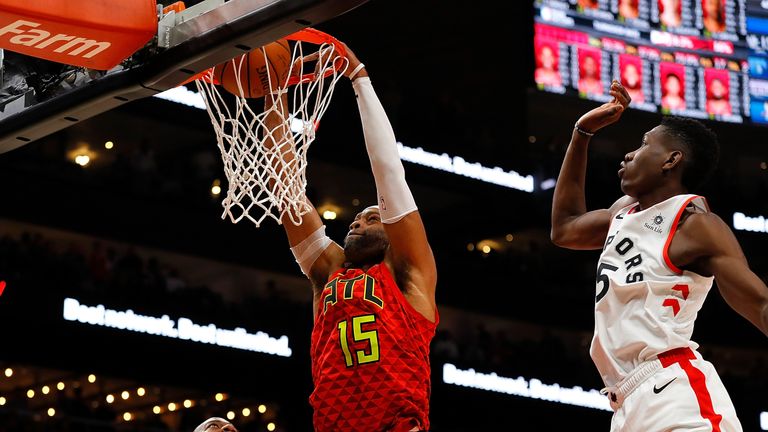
(644, 305)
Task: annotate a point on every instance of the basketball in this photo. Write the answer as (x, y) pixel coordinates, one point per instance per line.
(257, 77)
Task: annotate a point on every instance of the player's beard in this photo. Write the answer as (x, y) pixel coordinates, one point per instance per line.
(368, 248)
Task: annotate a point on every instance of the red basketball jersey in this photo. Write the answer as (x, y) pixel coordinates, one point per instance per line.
(370, 356)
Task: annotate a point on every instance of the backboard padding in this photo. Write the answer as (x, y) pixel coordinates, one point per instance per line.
(212, 38)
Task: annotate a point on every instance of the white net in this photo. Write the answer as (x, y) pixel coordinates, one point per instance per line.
(265, 151)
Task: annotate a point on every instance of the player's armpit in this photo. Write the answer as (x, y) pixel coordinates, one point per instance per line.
(411, 258)
(588, 230)
(583, 232)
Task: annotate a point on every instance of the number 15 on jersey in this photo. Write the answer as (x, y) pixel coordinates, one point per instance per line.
(358, 334)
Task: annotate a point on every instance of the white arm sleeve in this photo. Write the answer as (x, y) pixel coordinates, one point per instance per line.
(310, 249)
(394, 197)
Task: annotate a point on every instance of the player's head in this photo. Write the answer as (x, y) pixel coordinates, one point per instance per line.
(670, 6)
(717, 89)
(546, 57)
(589, 67)
(591, 4)
(713, 9)
(367, 241)
(631, 76)
(678, 150)
(215, 424)
(672, 84)
(629, 5)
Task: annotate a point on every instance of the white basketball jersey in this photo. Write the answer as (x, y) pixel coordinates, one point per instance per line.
(644, 304)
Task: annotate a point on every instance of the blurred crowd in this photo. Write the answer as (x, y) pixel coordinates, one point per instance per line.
(124, 276)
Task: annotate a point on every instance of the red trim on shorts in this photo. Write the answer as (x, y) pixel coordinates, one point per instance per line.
(683, 357)
(672, 230)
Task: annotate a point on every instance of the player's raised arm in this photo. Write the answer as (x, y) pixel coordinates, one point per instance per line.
(573, 226)
(316, 254)
(714, 250)
(409, 252)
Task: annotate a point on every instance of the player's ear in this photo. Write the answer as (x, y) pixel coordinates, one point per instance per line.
(674, 158)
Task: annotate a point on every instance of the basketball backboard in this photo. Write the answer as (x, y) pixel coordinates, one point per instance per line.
(39, 97)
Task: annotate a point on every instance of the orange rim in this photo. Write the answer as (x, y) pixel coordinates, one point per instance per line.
(318, 38)
(305, 35)
(206, 75)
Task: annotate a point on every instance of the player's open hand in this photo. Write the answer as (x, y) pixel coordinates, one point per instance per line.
(607, 113)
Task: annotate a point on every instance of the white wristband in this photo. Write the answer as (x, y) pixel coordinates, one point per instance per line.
(582, 131)
(310, 249)
(355, 71)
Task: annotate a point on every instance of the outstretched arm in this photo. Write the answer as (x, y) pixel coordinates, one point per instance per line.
(572, 226)
(315, 253)
(409, 254)
(716, 252)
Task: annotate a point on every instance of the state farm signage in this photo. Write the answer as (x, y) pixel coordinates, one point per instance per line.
(98, 36)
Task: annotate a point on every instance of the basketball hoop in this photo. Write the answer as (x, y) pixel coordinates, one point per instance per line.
(261, 183)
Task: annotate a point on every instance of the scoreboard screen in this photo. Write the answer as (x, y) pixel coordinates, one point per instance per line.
(703, 59)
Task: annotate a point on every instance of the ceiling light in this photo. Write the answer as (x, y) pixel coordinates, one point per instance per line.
(82, 160)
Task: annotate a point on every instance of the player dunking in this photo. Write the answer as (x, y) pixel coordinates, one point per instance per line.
(661, 250)
(374, 299)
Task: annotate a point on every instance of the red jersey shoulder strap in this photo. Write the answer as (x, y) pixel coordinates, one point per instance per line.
(692, 203)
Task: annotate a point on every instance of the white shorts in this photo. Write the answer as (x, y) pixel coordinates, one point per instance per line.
(683, 394)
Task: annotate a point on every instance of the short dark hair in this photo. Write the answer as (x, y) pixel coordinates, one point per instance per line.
(702, 150)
